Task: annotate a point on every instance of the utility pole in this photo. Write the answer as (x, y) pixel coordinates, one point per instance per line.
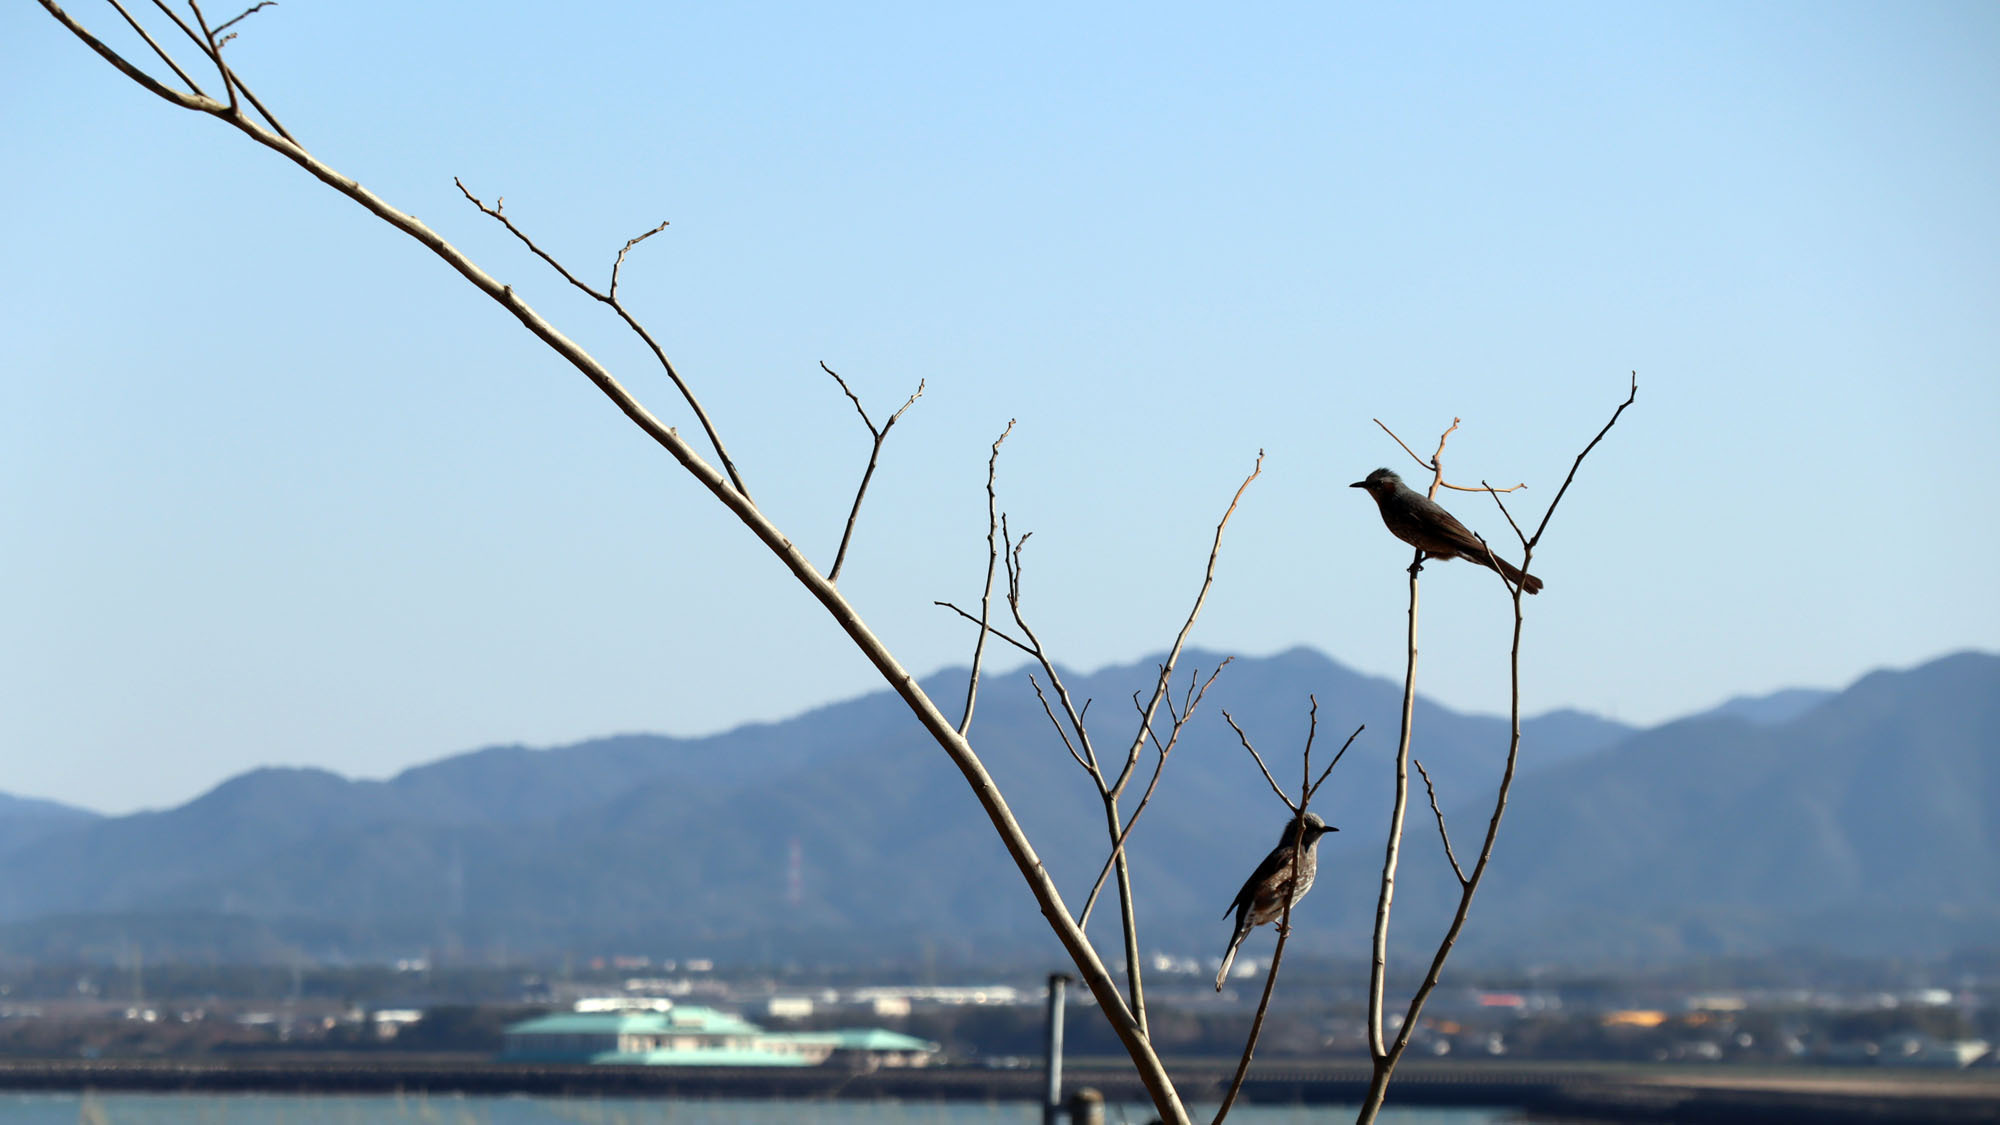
(1052, 1097)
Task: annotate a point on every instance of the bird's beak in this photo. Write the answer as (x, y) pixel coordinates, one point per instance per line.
(1331, 828)
(1359, 484)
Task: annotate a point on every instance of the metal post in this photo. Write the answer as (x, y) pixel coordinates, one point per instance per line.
(1052, 1099)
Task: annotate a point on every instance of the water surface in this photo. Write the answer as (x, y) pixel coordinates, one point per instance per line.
(418, 1109)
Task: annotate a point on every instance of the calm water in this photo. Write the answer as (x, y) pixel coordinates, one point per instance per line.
(254, 1109)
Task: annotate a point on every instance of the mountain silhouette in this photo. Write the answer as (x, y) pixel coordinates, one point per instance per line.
(1858, 820)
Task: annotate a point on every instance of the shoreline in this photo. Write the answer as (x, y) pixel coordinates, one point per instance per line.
(1577, 1090)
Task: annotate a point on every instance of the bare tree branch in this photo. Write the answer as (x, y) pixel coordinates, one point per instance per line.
(1111, 792)
(992, 549)
(1404, 444)
(1063, 734)
(1306, 791)
(1439, 813)
(610, 299)
(618, 263)
(1578, 463)
(1442, 438)
(1314, 787)
(256, 102)
(1493, 560)
(1384, 1056)
(1306, 759)
(1088, 755)
(993, 629)
(157, 49)
(726, 489)
(201, 103)
(1439, 481)
(1525, 545)
(1259, 758)
(1307, 786)
(1264, 1001)
(215, 55)
(875, 454)
(1379, 965)
(1161, 685)
(212, 43)
(244, 15)
(180, 23)
(1159, 766)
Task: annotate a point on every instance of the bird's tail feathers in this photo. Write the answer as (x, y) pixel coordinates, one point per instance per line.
(1228, 959)
(1527, 582)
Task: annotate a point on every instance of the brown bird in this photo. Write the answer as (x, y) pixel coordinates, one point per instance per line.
(1418, 520)
(1263, 896)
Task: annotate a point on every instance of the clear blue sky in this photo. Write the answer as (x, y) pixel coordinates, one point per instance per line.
(278, 488)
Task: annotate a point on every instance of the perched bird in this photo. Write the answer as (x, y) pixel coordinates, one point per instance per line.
(1418, 520)
(1263, 896)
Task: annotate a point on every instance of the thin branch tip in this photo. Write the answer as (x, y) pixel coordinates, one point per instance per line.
(243, 15)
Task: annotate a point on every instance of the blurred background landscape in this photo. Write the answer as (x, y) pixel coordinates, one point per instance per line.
(1811, 870)
(372, 687)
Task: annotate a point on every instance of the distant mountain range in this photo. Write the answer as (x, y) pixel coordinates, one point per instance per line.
(1861, 821)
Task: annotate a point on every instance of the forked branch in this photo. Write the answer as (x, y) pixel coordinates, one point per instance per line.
(1075, 735)
(875, 454)
(157, 49)
(1443, 832)
(726, 488)
(1307, 788)
(1384, 1055)
(992, 551)
(1180, 719)
(609, 297)
(1578, 463)
(1437, 471)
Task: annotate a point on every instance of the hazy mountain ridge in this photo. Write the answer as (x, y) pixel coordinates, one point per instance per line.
(25, 819)
(1717, 830)
(1876, 813)
(1770, 710)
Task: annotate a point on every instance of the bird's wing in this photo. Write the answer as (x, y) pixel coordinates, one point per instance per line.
(1448, 525)
(1246, 899)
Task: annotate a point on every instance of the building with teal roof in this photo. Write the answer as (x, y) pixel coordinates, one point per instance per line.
(690, 1035)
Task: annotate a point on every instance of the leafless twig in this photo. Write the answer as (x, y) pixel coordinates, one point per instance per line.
(1259, 759)
(723, 482)
(157, 49)
(992, 549)
(1111, 790)
(1083, 751)
(211, 42)
(993, 629)
(215, 55)
(1307, 787)
(1263, 1001)
(609, 298)
(1439, 813)
(1161, 684)
(1437, 479)
(1578, 463)
(1179, 719)
(875, 454)
(1525, 545)
(1385, 1055)
(1060, 732)
(1314, 787)
(244, 15)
